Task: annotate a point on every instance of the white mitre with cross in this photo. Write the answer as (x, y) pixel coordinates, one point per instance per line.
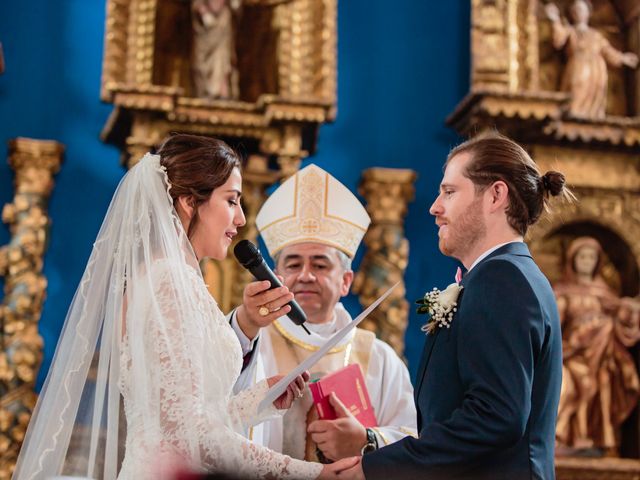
(312, 206)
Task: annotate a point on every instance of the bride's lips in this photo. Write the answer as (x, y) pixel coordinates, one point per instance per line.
(231, 235)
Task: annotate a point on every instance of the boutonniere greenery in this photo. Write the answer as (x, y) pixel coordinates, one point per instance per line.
(441, 306)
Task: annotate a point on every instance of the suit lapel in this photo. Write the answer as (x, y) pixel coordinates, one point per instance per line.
(514, 248)
(424, 360)
(428, 347)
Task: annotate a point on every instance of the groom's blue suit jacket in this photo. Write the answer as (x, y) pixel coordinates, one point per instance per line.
(487, 388)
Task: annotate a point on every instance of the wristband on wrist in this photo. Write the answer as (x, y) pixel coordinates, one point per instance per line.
(372, 442)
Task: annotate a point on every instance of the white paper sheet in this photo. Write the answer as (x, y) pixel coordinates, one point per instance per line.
(281, 386)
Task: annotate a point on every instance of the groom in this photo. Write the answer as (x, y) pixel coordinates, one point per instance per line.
(487, 388)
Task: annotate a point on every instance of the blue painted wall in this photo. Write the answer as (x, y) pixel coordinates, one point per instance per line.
(402, 69)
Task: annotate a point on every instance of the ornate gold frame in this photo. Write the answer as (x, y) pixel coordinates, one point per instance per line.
(284, 123)
(277, 124)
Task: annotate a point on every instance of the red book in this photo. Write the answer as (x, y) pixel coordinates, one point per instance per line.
(348, 385)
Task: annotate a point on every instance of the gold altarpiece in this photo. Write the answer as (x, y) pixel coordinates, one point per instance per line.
(286, 68)
(516, 88)
(285, 53)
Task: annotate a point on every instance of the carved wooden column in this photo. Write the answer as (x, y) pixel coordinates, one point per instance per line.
(35, 162)
(308, 66)
(387, 192)
(140, 61)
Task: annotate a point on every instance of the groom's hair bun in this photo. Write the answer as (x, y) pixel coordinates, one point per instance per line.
(495, 157)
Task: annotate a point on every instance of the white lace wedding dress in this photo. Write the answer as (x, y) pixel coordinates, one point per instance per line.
(198, 361)
(197, 365)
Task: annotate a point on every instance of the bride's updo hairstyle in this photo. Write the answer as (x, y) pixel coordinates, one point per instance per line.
(196, 166)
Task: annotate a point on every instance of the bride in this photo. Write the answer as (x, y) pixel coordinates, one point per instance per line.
(143, 328)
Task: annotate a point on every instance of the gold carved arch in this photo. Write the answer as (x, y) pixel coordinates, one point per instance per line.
(616, 230)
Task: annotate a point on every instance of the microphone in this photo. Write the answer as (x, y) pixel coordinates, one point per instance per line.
(250, 258)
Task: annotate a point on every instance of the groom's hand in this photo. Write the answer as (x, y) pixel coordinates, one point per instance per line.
(339, 438)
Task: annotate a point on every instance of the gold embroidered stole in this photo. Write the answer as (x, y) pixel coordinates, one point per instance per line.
(290, 351)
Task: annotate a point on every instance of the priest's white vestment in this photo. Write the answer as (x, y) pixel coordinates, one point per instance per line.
(283, 344)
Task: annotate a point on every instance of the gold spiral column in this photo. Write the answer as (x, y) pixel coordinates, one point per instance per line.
(387, 192)
(35, 162)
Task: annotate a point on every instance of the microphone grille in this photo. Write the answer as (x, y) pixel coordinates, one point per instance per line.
(246, 252)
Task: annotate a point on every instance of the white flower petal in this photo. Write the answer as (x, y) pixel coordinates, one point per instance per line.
(450, 295)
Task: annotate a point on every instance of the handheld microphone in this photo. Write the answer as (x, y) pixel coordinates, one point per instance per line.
(250, 258)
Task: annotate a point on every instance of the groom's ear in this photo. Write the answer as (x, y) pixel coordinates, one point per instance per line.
(499, 196)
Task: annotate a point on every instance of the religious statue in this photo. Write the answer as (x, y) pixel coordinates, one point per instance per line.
(214, 63)
(588, 51)
(214, 55)
(600, 385)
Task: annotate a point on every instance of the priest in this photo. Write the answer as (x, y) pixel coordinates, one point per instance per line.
(312, 226)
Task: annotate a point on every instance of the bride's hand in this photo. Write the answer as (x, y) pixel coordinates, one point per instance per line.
(257, 298)
(294, 390)
(349, 467)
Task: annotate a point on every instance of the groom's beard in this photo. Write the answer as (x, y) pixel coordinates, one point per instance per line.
(465, 232)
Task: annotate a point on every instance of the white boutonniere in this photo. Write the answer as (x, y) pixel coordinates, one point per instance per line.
(440, 305)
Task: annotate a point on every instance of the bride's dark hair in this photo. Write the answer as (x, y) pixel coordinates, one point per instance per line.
(196, 166)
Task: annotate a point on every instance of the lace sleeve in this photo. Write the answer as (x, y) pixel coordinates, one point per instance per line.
(243, 407)
(194, 361)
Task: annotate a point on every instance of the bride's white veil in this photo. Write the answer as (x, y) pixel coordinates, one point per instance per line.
(77, 425)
